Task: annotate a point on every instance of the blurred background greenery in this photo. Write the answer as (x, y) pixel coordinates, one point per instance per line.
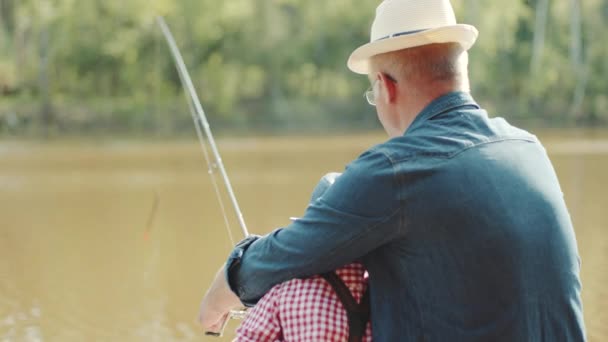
(70, 67)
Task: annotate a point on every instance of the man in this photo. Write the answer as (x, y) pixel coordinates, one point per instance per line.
(458, 218)
(331, 307)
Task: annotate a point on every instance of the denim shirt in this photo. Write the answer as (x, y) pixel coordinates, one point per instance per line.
(461, 224)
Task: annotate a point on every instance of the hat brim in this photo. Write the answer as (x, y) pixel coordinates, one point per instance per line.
(463, 34)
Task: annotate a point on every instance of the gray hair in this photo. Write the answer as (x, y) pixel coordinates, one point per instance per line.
(445, 62)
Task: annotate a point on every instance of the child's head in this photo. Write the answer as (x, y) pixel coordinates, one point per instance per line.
(324, 184)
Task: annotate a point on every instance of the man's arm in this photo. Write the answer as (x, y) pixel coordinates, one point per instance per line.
(356, 215)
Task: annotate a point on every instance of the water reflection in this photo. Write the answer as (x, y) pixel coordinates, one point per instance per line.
(75, 264)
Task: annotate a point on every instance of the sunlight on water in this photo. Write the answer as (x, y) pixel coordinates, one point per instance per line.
(82, 257)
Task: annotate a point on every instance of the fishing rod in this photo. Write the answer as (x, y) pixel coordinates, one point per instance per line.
(200, 119)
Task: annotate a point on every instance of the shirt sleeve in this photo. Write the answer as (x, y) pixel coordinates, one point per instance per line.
(357, 214)
(262, 322)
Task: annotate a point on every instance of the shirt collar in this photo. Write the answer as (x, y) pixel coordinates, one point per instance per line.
(441, 105)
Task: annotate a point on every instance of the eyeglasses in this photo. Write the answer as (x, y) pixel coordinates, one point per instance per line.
(370, 93)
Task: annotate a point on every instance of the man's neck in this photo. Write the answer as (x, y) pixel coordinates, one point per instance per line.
(418, 100)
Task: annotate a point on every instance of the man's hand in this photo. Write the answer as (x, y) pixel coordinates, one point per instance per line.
(217, 303)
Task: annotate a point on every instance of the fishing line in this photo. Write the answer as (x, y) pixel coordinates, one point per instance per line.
(151, 216)
(210, 165)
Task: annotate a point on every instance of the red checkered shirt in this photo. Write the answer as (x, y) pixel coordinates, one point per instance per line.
(303, 310)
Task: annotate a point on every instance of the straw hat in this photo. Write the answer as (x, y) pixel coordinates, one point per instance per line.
(402, 24)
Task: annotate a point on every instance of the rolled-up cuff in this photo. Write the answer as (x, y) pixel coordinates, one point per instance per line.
(233, 264)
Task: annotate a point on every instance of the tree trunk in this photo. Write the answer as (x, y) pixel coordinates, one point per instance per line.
(577, 59)
(46, 110)
(7, 16)
(540, 25)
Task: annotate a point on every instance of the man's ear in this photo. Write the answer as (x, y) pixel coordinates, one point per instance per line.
(391, 88)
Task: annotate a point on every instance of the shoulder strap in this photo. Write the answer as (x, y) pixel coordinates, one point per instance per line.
(357, 313)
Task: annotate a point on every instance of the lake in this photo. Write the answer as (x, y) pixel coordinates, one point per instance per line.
(118, 240)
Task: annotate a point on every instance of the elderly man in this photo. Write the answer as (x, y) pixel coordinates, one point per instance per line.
(458, 218)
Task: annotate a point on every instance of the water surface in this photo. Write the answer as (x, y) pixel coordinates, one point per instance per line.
(81, 260)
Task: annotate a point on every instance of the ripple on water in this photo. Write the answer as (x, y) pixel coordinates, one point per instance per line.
(21, 326)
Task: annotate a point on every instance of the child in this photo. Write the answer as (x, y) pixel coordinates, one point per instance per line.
(315, 308)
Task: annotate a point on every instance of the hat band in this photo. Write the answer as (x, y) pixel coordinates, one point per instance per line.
(400, 34)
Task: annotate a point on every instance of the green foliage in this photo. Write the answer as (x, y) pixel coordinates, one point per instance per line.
(103, 65)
